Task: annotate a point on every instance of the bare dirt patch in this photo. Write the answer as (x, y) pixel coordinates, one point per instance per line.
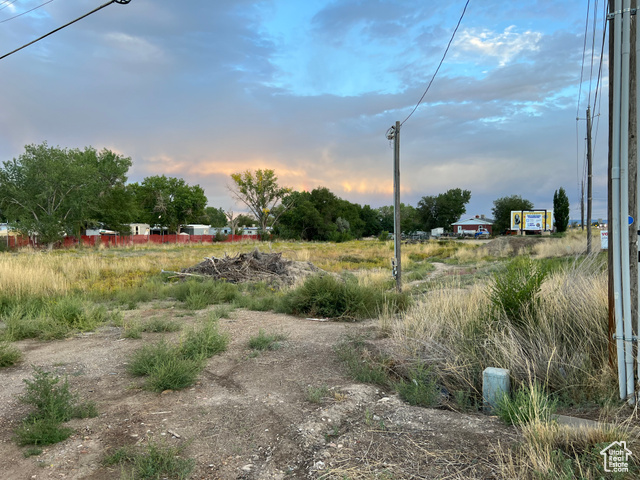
(248, 416)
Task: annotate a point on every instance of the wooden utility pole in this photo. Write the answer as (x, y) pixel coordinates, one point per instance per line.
(397, 231)
(589, 168)
(611, 239)
(582, 205)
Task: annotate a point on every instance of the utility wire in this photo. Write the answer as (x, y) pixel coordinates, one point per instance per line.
(597, 100)
(122, 2)
(440, 64)
(24, 13)
(8, 4)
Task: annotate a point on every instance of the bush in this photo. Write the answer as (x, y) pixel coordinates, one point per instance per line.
(9, 355)
(156, 461)
(515, 291)
(173, 373)
(173, 367)
(364, 364)
(266, 341)
(53, 403)
(204, 342)
(329, 297)
(420, 388)
(529, 403)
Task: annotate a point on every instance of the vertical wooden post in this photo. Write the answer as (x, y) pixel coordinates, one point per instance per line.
(589, 169)
(397, 231)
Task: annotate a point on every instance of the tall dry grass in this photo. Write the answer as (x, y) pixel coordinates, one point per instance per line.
(563, 345)
(574, 242)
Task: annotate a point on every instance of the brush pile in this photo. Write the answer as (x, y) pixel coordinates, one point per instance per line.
(252, 267)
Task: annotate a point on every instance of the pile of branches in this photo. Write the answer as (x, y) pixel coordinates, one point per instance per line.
(243, 267)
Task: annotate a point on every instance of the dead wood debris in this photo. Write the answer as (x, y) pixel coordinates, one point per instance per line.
(254, 266)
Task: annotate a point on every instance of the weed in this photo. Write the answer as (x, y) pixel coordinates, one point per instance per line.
(9, 355)
(326, 296)
(420, 388)
(155, 461)
(53, 403)
(515, 291)
(363, 364)
(170, 367)
(144, 360)
(529, 403)
(41, 431)
(267, 341)
(49, 395)
(158, 325)
(204, 342)
(32, 452)
(316, 394)
(173, 373)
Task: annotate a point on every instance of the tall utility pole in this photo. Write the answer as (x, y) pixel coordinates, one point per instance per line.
(589, 163)
(394, 134)
(582, 205)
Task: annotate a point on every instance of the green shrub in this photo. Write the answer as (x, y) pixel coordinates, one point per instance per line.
(9, 355)
(204, 342)
(420, 388)
(267, 341)
(50, 396)
(158, 325)
(144, 360)
(529, 403)
(53, 403)
(41, 431)
(316, 394)
(363, 363)
(173, 373)
(327, 296)
(155, 461)
(515, 290)
(204, 292)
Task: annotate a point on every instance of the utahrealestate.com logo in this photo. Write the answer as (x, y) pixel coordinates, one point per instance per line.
(616, 457)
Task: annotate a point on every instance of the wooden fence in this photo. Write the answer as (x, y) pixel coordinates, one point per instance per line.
(124, 240)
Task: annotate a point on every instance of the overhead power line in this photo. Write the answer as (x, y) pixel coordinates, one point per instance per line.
(122, 2)
(440, 64)
(24, 13)
(8, 4)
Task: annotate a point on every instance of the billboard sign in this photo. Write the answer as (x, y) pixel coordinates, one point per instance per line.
(532, 220)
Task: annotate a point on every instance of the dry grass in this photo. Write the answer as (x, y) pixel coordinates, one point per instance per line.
(29, 272)
(573, 243)
(453, 330)
(550, 450)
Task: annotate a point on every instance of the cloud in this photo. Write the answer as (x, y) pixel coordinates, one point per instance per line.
(504, 46)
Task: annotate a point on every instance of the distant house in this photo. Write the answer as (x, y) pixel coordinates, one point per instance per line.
(140, 228)
(473, 225)
(196, 229)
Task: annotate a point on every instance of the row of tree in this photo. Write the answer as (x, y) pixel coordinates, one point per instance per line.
(51, 192)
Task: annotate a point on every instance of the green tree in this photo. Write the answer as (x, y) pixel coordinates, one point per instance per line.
(502, 208)
(443, 209)
(214, 217)
(372, 226)
(561, 210)
(261, 193)
(51, 192)
(169, 202)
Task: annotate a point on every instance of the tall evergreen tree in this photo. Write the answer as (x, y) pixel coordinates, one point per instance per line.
(561, 210)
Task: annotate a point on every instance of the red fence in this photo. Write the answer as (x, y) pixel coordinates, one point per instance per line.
(117, 240)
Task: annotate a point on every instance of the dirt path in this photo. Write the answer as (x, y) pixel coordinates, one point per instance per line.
(248, 416)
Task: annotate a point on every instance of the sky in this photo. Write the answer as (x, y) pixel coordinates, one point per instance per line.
(203, 89)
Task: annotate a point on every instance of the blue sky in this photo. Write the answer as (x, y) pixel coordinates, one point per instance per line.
(203, 89)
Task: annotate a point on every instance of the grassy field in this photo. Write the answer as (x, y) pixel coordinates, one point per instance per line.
(537, 308)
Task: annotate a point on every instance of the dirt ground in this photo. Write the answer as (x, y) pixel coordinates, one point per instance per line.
(249, 416)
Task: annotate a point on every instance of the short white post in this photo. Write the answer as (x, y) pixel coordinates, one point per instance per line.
(495, 384)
